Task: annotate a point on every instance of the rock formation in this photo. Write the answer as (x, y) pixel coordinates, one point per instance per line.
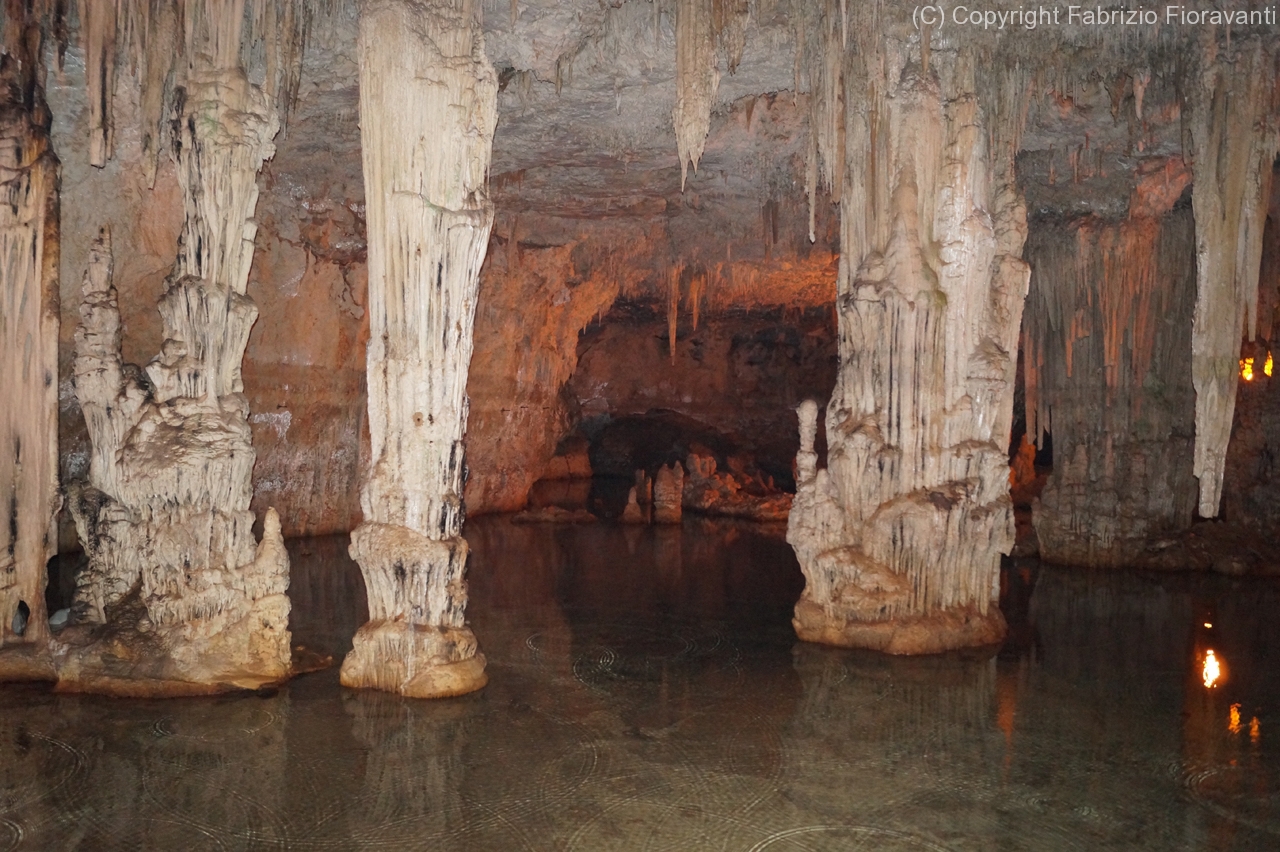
(900, 536)
(668, 494)
(1108, 369)
(1234, 136)
(178, 597)
(28, 345)
(428, 106)
(711, 492)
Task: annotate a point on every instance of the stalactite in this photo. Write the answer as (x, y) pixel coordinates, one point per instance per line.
(28, 341)
(98, 25)
(428, 105)
(697, 287)
(729, 23)
(673, 306)
(1234, 139)
(825, 164)
(900, 538)
(696, 81)
(174, 572)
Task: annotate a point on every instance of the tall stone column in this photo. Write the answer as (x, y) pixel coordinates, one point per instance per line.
(428, 108)
(900, 537)
(178, 598)
(28, 344)
(1234, 137)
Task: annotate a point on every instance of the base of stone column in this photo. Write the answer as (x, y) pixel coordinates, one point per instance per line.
(945, 630)
(129, 659)
(417, 661)
(27, 662)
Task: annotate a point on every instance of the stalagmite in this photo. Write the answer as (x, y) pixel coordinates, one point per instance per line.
(632, 513)
(428, 106)
(28, 348)
(1234, 138)
(175, 577)
(900, 537)
(668, 494)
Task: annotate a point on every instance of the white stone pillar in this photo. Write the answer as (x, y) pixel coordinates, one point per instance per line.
(1234, 136)
(900, 537)
(28, 351)
(174, 574)
(428, 108)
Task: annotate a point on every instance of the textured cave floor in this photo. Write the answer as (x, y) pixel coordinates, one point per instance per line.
(647, 693)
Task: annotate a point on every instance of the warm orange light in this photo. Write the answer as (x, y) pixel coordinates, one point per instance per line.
(1268, 365)
(1212, 671)
(1208, 624)
(1233, 725)
(1255, 730)
(1246, 369)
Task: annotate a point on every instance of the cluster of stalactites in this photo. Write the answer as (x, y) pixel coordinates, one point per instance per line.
(1233, 139)
(162, 41)
(839, 49)
(704, 28)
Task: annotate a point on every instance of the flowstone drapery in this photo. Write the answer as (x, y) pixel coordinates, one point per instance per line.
(1107, 350)
(178, 598)
(428, 107)
(900, 536)
(28, 351)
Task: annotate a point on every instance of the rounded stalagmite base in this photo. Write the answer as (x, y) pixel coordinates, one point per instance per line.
(121, 660)
(416, 661)
(945, 630)
(27, 662)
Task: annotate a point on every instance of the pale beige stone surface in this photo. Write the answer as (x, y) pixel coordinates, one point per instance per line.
(428, 105)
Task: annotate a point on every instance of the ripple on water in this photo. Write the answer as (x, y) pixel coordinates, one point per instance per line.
(1237, 793)
(848, 837)
(10, 835)
(36, 768)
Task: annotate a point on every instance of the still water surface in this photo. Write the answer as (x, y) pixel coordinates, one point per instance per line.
(647, 694)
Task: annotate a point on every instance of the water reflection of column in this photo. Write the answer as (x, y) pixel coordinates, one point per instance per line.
(412, 772)
(668, 560)
(203, 769)
(1105, 691)
(864, 714)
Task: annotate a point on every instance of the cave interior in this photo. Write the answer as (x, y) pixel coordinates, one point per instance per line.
(799, 423)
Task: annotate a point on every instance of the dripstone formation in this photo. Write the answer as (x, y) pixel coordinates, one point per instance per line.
(428, 105)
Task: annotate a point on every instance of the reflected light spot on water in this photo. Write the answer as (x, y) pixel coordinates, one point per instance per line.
(1255, 730)
(1211, 670)
(1233, 724)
